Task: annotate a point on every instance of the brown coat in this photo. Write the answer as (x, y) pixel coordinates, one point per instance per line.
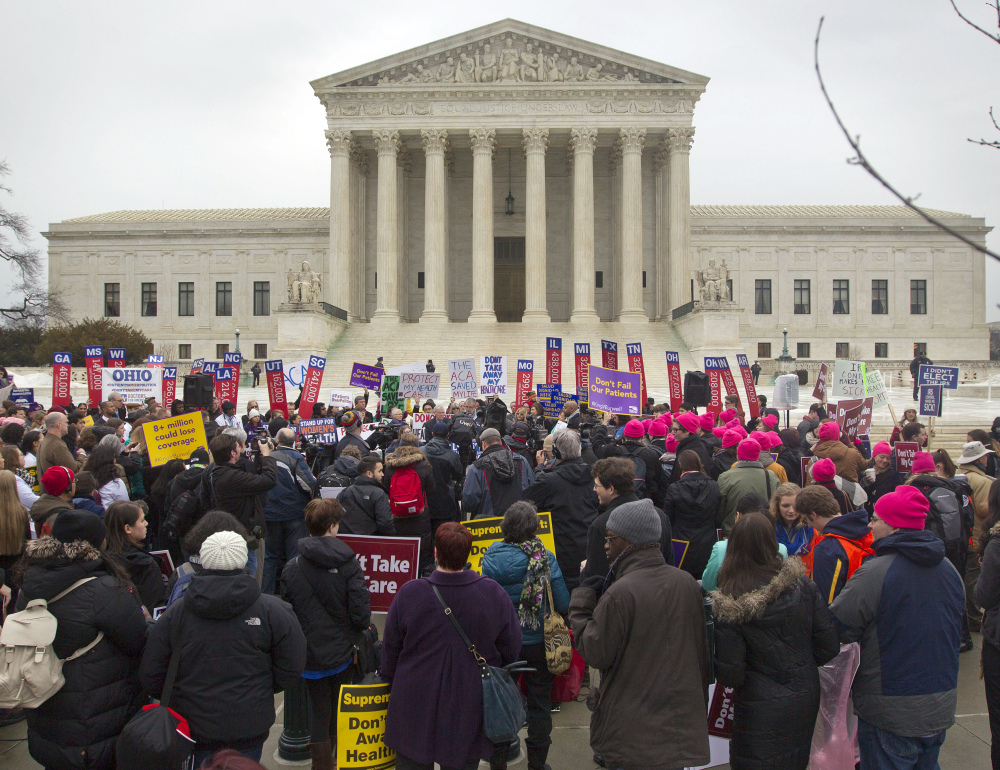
(850, 462)
(53, 451)
(647, 636)
(980, 484)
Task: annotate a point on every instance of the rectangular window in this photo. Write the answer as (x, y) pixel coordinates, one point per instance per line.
(880, 297)
(112, 300)
(841, 297)
(918, 297)
(149, 299)
(221, 350)
(599, 279)
(262, 298)
(184, 352)
(843, 350)
(763, 350)
(420, 280)
(260, 350)
(802, 350)
(801, 299)
(762, 296)
(881, 350)
(919, 347)
(185, 298)
(224, 298)
(644, 279)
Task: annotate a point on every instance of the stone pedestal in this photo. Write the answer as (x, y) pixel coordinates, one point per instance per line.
(711, 330)
(304, 330)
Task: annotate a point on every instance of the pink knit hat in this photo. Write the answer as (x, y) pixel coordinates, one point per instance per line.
(708, 421)
(923, 462)
(882, 448)
(690, 422)
(719, 432)
(774, 439)
(726, 415)
(667, 419)
(733, 423)
(670, 443)
(769, 420)
(760, 437)
(748, 450)
(658, 428)
(906, 508)
(646, 423)
(740, 431)
(731, 438)
(634, 429)
(829, 431)
(823, 470)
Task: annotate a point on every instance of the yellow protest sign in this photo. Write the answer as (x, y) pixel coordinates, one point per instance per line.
(88, 421)
(361, 712)
(174, 438)
(486, 532)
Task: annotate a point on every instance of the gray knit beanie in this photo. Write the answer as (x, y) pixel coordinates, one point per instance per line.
(636, 522)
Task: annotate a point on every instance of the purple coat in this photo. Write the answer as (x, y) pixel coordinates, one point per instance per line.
(436, 707)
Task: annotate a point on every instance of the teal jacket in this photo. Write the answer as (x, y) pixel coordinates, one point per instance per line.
(710, 577)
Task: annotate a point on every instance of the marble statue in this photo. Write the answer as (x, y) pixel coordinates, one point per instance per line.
(305, 286)
(509, 69)
(554, 73)
(446, 72)
(529, 65)
(574, 72)
(713, 282)
(466, 72)
(594, 73)
(486, 65)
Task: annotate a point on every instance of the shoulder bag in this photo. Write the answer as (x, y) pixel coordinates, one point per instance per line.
(558, 645)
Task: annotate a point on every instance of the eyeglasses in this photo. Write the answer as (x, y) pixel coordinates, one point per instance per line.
(875, 518)
(609, 538)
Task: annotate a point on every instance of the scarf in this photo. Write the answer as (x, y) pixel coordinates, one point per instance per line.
(25, 476)
(533, 590)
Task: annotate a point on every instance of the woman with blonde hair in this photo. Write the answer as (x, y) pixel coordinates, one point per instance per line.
(791, 530)
(14, 527)
(13, 461)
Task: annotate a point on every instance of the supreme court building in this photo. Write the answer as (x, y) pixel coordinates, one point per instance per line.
(515, 174)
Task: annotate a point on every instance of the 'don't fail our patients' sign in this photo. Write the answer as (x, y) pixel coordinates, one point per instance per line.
(614, 391)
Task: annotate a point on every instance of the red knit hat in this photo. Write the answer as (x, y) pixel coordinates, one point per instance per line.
(634, 429)
(748, 450)
(690, 422)
(906, 508)
(731, 438)
(708, 421)
(923, 462)
(658, 428)
(57, 479)
(829, 431)
(57, 408)
(823, 470)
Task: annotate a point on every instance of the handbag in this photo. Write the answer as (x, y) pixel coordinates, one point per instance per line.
(558, 645)
(503, 710)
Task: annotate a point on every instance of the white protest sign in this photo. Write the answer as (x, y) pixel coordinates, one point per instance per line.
(328, 493)
(462, 373)
(341, 398)
(416, 366)
(133, 383)
(493, 379)
(295, 373)
(876, 388)
(419, 385)
(848, 380)
(420, 419)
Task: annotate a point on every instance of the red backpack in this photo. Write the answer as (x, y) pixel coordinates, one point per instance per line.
(406, 494)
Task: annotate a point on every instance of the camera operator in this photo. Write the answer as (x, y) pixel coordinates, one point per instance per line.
(234, 490)
(517, 442)
(350, 423)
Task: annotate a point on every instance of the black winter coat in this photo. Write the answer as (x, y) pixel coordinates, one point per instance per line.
(238, 648)
(722, 461)
(597, 559)
(79, 725)
(351, 440)
(695, 444)
(185, 481)
(692, 505)
(791, 461)
(768, 645)
(407, 456)
(366, 509)
(146, 575)
(567, 492)
(448, 472)
(326, 588)
(232, 489)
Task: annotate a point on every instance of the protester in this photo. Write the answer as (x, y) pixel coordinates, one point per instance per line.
(685, 431)
(650, 707)
(992, 460)
(987, 595)
(12, 460)
(749, 503)
(527, 571)
(326, 588)
(789, 454)
(237, 647)
(905, 608)
(79, 725)
(692, 504)
(725, 458)
(850, 463)
(284, 511)
(53, 450)
(411, 484)
(207, 525)
(881, 478)
(351, 423)
(748, 476)
(14, 528)
(107, 473)
(824, 474)
(495, 480)
(366, 503)
(918, 360)
(448, 476)
(651, 479)
(228, 418)
(791, 531)
(436, 708)
(85, 495)
(772, 630)
(58, 487)
(126, 525)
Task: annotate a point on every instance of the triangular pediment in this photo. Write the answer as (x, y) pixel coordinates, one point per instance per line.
(509, 53)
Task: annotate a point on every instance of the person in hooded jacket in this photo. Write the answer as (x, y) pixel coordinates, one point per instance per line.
(77, 728)
(772, 631)
(517, 442)
(706, 423)
(851, 464)
(749, 475)
(567, 493)
(789, 454)
(126, 523)
(237, 645)
(448, 475)
(987, 595)
(366, 503)
(692, 505)
(632, 446)
(343, 471)
(495, 480)
(685, 430)
(725, 458)
(326, 588)
(886, 478)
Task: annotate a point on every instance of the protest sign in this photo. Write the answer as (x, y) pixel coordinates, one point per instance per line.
(854, 416)
(311, 385)
(634, 352)
(225, 384)
(615, 392)
(154, 361)
(94, 356)
(462, 374)
(133, 383)
(727, 377)
(61, 370)
(720, 712)
(210, 367)
(295, 373)
(554, 406)
(609, 354)
(390, 393)
(23, 396)
(804, 463)
(197, 365)
(674, 380)
(751, 390)
(388, 563)
(493, 380)
(276, 386)
(174, 438)
(819, 390)
(116, 358)
(904, 452)
(419, 385)
(341, 398)
(930, 400)
(486, 532)
(553, 359)
(943, 376)
(234, 360)
(582, 356)
(713, 368)
(545, 391)
(361, 715)
(875, 387)
(522, 385)
(322, 430)
(169, 385)
(365, 376)
(680, 551)
(848, 380)
(420, 419)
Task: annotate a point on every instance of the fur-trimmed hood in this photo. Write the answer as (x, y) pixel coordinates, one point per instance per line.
(751, 606)
(403, 457)
(48, 548)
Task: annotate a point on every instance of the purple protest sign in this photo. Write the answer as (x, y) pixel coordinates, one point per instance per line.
(365, 376)
(614, 391)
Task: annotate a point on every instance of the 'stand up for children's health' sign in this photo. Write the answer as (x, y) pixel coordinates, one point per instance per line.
(613, 391)
(494, 376)
(174, 438)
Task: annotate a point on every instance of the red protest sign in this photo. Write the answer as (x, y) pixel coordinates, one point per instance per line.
(275, 373)
(525, 374)
(674, 380)
(553, 360)
(804, 469)
(819, 391)
(854, 415)
(582, 351)
(713, 367)
(311, 384)
(634, 351)
(225, 384)
(720, 712)
(94, 355)
(116, 358)
(609, 354)
(727, 378)
(61, 365)
(388, 563)
(169, 385)
(748, 386)
(904, 452)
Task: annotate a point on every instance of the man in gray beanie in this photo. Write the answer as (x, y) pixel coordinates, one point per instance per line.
(651, 705)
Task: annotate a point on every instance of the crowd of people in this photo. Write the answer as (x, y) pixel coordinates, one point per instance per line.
(653, 519)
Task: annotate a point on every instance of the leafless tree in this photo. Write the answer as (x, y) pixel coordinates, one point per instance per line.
(168, 350)
(995, 37)
(32, 300)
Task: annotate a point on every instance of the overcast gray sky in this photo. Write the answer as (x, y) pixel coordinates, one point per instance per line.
(119, 105)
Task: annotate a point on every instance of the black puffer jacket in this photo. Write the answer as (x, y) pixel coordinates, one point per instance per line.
(722, 461)
(692, 505)
(768, 645)
(78, 726)
(448, 472)
(238, 648)
(791, 460)
(326, 580)
(146, 575)
(343, 471)
(366, 509)
(232, 489)
(695, 444)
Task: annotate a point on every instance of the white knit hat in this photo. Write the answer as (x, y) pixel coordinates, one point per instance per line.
(224, 551)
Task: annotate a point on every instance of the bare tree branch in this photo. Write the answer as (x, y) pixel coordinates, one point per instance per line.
(986, 142)
(859, 159)
(990, 35)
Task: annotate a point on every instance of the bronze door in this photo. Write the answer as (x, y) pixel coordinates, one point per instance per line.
(508, 278)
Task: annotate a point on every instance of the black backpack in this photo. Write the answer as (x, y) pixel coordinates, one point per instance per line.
(369, 652)
(946, 516)
(184, 512)
(496, 416)
(462, 435)
(639, 482)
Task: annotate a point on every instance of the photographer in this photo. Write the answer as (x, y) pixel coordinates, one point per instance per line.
(351, 424)
(231, 489)
(286, 506)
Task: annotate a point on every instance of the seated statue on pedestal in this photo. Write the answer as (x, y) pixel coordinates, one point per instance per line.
(305, 286)
(713, 283)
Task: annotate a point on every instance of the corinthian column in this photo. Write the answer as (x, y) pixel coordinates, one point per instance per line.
(386, 222)
(483, 141)
(631, 140)
(339, 255)
(535, 140)
(679, 215)
(435, 302)
(583, 141)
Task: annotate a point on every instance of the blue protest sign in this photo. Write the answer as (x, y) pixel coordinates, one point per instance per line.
(23, 396)
(545, 391)
(930, 400)
(943, 376)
